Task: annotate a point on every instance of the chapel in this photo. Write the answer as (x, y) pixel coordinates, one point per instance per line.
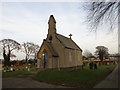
(58, 51)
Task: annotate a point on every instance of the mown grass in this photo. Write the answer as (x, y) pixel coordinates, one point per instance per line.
(80, 78)
(13, 74)
(18, 72)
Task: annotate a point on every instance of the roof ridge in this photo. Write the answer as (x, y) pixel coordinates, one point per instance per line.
(68, 43)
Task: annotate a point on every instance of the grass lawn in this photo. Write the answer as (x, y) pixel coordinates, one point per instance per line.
(85, 78)
(24, 72)
(13, 74)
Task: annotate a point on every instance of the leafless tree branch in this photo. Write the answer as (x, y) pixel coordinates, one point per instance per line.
(102, 12)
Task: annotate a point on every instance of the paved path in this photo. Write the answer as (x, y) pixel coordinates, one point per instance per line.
(13, 82)
(111, 81)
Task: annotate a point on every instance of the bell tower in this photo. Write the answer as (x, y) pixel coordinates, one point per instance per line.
(51, 28)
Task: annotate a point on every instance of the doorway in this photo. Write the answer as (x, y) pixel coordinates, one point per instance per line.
(44, 59)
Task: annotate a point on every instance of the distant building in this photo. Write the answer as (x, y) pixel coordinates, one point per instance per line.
(114, 57)
(58, 51)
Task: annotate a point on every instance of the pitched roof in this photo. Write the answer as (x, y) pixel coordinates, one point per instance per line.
(52, 50)
(67, 42)
(50, 46)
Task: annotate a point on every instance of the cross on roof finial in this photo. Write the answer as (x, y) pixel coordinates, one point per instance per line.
(70, 36)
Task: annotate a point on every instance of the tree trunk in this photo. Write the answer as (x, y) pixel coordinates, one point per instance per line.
(26, 59)
(6, 58)
(101, 58)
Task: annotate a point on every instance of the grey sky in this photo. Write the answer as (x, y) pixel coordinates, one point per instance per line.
(28, 21)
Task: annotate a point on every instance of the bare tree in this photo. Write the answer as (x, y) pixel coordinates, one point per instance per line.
(36, 49)
(101, 52)
(8, 46)
(102, 12)
(30, 49)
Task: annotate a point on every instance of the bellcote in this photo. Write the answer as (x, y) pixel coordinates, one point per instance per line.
(51, 28)
(51, 20)
(51, 25)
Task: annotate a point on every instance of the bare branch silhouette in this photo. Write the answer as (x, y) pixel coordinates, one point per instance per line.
(103, 13)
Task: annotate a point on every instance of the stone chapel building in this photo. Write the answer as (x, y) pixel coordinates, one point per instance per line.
(58, 51)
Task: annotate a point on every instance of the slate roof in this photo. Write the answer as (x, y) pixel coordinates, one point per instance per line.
(67, 42)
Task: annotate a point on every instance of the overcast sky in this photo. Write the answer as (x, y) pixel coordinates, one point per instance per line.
(28, 21)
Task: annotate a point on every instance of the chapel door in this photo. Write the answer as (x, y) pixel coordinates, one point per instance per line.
(45, 59)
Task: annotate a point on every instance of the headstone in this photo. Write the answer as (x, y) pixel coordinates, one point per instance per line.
(11, 69)
(28, 69)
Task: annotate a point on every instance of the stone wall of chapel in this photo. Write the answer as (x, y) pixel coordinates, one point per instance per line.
(49, 57)
(80, 61)
(73, 57)
(60, 50)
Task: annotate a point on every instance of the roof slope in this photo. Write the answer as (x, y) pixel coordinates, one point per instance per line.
(53, 51)
(67, 42)
(50, 47)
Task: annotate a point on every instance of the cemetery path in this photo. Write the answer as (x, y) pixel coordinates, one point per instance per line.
(111, 81)
(14, 82)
